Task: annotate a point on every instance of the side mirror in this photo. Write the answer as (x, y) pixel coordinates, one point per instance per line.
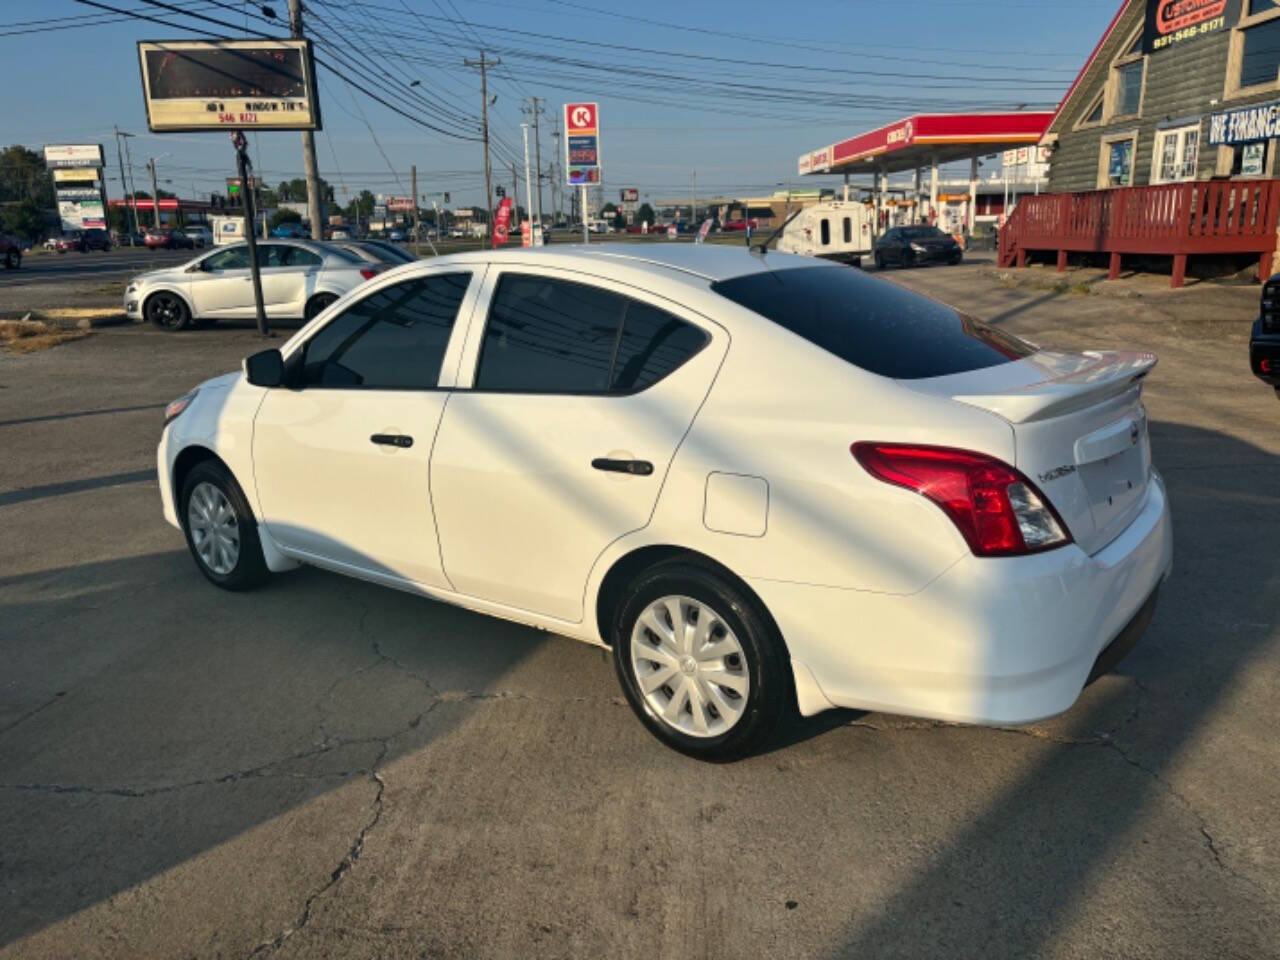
(265, 369)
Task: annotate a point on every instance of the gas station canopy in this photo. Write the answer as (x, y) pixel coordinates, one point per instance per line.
(927, 140)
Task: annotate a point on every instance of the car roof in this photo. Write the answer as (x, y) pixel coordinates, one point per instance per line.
(709, 261)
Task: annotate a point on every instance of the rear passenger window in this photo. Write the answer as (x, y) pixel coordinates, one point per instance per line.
(394, 339)
(556, 336)
(826, 232)
(300, 257)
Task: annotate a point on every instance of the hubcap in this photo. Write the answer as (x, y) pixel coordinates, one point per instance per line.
(690, 666)
(165, 309)
(214, 531)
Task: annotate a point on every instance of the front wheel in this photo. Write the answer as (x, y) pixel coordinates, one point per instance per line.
(221, 531)
(701, 664)
(167, 311)
(879, 258)
(316, 304)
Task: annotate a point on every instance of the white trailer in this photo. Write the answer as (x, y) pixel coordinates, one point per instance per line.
(840, 230)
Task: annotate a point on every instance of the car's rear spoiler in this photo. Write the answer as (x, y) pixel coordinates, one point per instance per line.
(1045, 384)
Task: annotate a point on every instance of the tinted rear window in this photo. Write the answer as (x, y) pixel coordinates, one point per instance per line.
(872, 323)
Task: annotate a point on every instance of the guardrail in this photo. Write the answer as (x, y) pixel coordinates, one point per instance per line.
(1171, 219)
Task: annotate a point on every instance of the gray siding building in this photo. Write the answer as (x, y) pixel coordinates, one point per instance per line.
(1139, 111)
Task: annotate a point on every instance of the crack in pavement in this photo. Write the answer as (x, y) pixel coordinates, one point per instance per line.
(353, 851)
(1105, 739)
(31, 713)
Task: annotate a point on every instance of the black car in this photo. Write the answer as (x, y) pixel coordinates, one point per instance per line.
(1264, 344)
(910, 246)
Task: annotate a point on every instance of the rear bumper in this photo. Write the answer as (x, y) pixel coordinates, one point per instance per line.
(1264, 355)
(990, 641)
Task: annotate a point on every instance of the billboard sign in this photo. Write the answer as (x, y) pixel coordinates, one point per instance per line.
(630, 195)
(582, 142)
(397, 204)
(1170, 23)
(73, 155)
(229, 85)
(81, 214)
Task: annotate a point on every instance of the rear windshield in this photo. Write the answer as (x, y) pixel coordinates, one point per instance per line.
(872, 323)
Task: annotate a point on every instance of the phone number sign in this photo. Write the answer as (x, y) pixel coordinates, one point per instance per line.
(582, 142)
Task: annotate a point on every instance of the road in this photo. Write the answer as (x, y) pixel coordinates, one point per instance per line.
(116, 263)
(328, 768)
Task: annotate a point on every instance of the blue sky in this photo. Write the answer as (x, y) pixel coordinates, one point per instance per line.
(732, 90)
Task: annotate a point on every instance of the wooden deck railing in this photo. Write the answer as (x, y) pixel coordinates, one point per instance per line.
(1172, 219)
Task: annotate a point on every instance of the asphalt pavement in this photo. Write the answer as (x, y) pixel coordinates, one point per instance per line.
(119, 262)
(325, 768)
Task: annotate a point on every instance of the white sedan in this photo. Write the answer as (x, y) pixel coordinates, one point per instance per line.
(762, 480)
(299, 279)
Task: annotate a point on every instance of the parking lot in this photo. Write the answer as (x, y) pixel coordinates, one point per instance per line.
(328, 768)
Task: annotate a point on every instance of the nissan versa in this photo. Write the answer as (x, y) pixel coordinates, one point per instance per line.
(760, 479)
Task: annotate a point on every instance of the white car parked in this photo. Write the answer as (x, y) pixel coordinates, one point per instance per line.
(299, 279)
(754, 477)
(200, 235)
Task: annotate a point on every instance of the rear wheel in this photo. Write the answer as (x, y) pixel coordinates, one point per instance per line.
(879, 260)
(167, 311)
(221, 531)
(701, 664)
(12, 259)
(316, 304)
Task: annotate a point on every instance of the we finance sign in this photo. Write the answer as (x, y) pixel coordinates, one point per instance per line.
(1246, 125)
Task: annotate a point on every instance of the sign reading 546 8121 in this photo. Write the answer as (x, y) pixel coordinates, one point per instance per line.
(582, 142)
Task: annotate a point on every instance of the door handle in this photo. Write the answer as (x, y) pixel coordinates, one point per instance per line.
(393, 440)
(639, 468)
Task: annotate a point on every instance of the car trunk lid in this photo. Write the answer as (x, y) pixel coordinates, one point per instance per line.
(1080, 431)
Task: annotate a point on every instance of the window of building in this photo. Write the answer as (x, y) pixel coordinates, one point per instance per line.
(1176, 154)
(1253, 64)
(1250, 159)
(554, 336)
(394, 339)
(1094, 114)
(1116, 161)
(1129, 88)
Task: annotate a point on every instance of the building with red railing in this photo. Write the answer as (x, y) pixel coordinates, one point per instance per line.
(1165, 144)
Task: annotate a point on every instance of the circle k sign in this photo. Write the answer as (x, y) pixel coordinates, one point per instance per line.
(580, 118)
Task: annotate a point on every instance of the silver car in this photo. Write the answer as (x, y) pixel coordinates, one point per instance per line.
(299, 279)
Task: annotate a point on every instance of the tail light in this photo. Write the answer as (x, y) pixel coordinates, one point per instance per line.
(999, 512)
(368, 272)
(1270, 305)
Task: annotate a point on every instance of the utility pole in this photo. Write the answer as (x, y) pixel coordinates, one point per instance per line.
(413, 179)
(484, 66)
(555, 170)
(131, 204)
(534, 111)
(515, 197)
(693, 218)
(308, 142)
(528, 191)
(155, 194)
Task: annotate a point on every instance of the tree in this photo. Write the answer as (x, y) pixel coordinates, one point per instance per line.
(23, 177)
(295, 190)
(24, 219)
(646, 214)
(283, 216)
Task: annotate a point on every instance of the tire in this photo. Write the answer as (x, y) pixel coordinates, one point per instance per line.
(12, 259)
(754, 661)
(317, 304)
(167, 311)
(227, 552)
(879, 257)
(908, 259)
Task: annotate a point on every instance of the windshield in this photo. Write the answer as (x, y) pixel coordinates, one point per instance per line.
(920, 233)
(873, 324)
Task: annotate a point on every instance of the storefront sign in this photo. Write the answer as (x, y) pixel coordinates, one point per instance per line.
(1251, 159)
(73, 155)
(1246, 125)
(1173, 22)
(74, 175)
(582, 142)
